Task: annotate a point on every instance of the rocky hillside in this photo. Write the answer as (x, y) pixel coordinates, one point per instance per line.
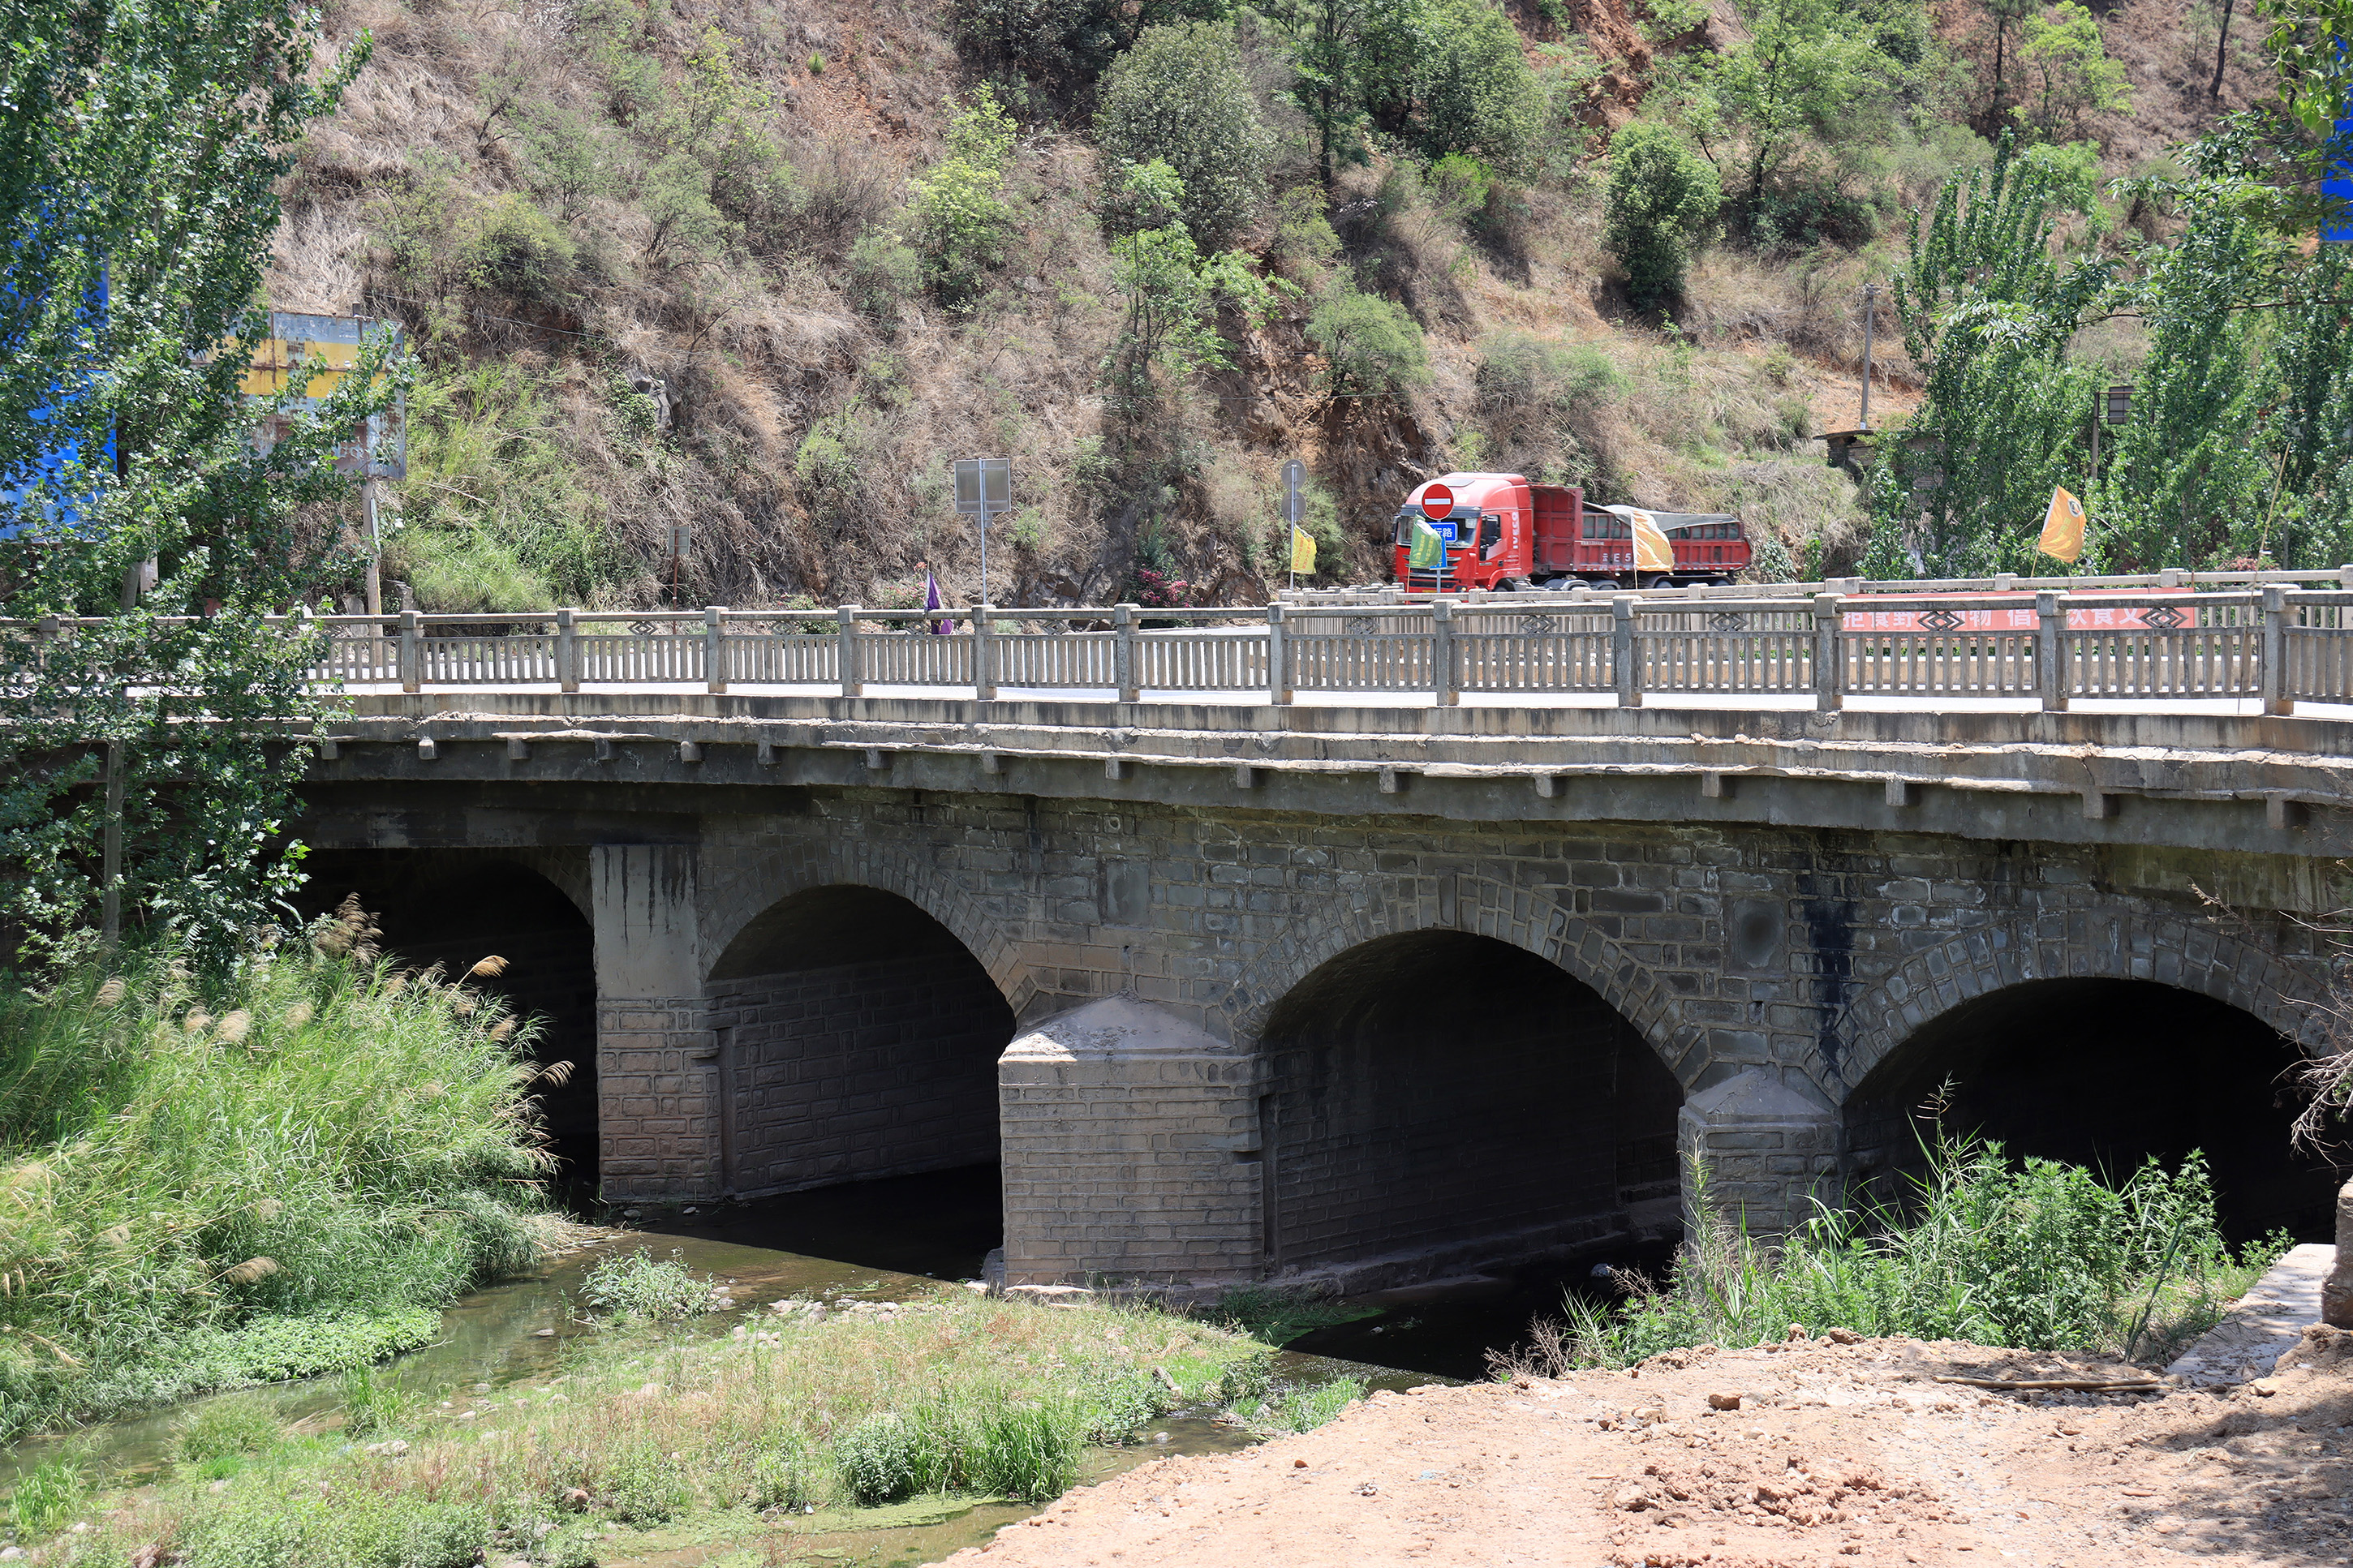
(697, 262)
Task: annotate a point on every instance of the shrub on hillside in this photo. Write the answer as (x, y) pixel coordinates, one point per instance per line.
(1662, 206)
(1179, 98)
(959, 216)
(209, 1189)
(1371, 347)
(1472, 91)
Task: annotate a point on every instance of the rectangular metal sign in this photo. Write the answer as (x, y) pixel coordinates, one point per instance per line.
(984, 486)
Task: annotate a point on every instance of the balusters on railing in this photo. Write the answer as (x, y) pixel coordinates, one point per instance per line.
(1829, 662)
(2051, 677)
(1623, 649)
(846, 618)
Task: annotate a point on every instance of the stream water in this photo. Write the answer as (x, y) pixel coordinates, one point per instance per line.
(873, 1241)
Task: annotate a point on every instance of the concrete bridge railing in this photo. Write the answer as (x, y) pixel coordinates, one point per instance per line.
(2276, 645)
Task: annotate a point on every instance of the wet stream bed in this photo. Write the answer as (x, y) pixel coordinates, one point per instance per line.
(876, 1241)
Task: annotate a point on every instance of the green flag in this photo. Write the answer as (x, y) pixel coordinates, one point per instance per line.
(1428, 549)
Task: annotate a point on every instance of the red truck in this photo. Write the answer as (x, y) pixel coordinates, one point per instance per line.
(1505, 533)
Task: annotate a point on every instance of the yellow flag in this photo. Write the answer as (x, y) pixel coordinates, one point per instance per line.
(2063, 527)
(1651, 551)
(1303, 549)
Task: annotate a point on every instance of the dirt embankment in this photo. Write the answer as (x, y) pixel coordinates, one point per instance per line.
(1837, 1453)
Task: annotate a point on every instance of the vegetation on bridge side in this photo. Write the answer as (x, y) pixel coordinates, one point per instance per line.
(285, 1174)
(2036, 1255)
(801, 1420)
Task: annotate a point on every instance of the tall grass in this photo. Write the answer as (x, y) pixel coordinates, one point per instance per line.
(202, 1191)
(2033, 1254)
(652, 1425)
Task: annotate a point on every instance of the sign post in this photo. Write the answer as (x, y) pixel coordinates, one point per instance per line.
(984, 489)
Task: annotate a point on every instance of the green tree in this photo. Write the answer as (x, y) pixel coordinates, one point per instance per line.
(2072, 74)
(1662, 206)
(1068, 43)
(147, 139)
(1371, 346)
(1179, 97)
(958, 214)
(2184, 484)
(1171, 289)
(1804, 71)
(1470, 89)
(1987, 310)
(1333, 61)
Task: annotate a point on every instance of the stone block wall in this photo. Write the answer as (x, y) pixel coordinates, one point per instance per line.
(859, 1071)
(656, 1078)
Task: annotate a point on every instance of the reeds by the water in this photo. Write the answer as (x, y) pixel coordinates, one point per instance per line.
(202, 1191)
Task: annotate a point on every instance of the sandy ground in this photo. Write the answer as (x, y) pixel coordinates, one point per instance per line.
(1838, 1454)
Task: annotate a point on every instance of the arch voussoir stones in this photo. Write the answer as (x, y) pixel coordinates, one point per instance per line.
(2159, 948)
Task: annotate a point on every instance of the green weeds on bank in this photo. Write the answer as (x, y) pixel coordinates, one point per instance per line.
(651, 1427)
(207, 1191)
(2031, 1254)
(640, 1285)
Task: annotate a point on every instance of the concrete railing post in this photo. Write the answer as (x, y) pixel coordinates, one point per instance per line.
(567, 649)
(412, 650)
(715, 648)
(847, 654)
(2051, 676)
(1124, 654)
(1441, 653)
(1624, 661)
(2271, 674)
(1829, 662)
(1277, 657)
(984, 653)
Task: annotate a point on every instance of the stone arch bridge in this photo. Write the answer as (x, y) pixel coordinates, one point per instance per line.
(1239, 991)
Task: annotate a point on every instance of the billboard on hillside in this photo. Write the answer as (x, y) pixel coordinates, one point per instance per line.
(312, 355)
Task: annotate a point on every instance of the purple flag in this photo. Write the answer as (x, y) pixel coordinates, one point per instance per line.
(932, 602)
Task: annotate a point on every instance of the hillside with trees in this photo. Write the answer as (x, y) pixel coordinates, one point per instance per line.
(768, 271)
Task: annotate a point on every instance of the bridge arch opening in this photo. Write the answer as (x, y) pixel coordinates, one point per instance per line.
(1450, 1098)
(455, 909)
(858, 1038)
(2103, 1073)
